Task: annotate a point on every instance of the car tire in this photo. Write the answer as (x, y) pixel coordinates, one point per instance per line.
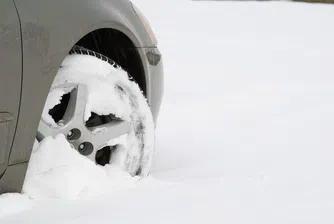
(92, 96)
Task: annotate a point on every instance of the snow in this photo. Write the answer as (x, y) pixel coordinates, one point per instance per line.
(97, 88)
(58, 171)
(245, 130)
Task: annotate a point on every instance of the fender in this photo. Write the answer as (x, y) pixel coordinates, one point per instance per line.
(49, 30)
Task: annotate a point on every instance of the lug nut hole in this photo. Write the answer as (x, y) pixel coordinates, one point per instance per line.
(73, 134)
(85, 148)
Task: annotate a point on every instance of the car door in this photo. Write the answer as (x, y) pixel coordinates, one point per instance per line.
(10, 77)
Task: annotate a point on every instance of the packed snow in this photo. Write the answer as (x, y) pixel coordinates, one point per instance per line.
(245, 133)
(57, 171)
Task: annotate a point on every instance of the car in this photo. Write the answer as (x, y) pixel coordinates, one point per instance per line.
(54, 60)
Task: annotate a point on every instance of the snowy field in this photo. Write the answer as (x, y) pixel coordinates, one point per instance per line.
(245, 133)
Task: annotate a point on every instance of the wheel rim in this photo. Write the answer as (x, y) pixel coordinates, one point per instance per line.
(89, 138)
(114, 117)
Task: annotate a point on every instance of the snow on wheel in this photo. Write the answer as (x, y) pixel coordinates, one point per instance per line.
(101, 111)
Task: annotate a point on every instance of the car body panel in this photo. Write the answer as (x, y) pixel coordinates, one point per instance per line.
(10, 77)
(13, 179)
(49, 30)
(156, 80)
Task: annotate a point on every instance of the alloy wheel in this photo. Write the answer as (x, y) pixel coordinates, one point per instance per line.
(90, 138)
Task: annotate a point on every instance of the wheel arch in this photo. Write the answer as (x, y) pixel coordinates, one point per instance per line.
(117, 46)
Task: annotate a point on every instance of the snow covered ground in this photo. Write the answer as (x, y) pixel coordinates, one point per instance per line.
(246, 129)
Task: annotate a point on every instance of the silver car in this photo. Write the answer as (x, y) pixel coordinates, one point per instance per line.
(42, 39)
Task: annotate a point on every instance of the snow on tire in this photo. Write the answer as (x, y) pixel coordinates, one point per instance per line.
(110, 91)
